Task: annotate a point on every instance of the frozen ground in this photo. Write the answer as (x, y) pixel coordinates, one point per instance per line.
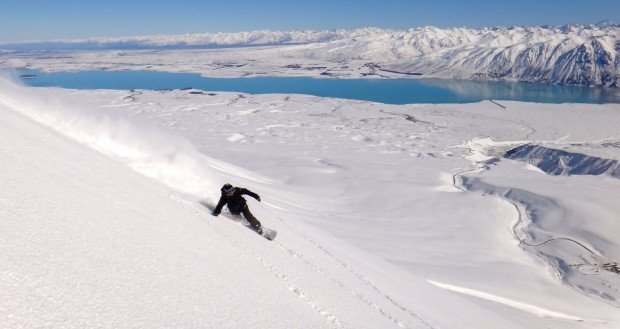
(388, 216)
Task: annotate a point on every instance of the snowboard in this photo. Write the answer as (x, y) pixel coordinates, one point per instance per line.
(268, 233)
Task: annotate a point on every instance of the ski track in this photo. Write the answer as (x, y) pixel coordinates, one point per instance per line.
(313, 304)
(355, 273)
(338, 282)
(299, 292)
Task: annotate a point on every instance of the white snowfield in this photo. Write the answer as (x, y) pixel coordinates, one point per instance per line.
(387, 216)
(572, 54)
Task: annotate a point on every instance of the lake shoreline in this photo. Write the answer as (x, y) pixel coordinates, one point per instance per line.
(387, 90)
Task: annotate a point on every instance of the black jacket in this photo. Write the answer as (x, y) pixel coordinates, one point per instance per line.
(236, 202)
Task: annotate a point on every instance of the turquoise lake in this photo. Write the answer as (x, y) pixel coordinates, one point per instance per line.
(389, 91)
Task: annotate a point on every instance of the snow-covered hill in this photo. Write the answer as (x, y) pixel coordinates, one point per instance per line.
(86, 242)
(388, 216)
(572, 54)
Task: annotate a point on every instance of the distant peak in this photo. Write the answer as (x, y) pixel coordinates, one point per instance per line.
(606, 23)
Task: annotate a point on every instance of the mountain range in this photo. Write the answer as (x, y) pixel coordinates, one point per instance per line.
(570, 54)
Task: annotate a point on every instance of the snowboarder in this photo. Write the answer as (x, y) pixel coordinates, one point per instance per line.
(232, 196)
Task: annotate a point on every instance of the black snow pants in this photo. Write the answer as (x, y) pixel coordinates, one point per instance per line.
(250, 218)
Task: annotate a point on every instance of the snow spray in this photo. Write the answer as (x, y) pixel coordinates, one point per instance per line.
(142, 146)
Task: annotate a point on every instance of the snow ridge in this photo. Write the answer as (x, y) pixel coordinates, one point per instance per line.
(558, 162)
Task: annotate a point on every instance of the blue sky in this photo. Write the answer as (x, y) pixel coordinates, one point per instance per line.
(54, 19)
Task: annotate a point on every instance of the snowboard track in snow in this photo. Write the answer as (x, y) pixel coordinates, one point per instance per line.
(269, 267)
(315, 306)
(351, 270)
(305, 295)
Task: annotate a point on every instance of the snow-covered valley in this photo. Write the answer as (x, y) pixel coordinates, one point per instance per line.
(571, 54)
(387, 216)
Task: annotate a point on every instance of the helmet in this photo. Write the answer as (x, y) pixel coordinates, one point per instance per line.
(227, 188)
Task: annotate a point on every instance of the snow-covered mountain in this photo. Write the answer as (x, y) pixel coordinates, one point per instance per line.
(571, 54)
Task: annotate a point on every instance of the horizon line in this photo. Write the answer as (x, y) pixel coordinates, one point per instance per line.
(600, 24)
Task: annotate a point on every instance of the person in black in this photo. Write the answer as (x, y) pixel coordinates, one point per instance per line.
(232, 196)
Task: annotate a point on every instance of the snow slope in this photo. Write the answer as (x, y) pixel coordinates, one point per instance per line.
(87, 242)
(572, 54)
(377, 207)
